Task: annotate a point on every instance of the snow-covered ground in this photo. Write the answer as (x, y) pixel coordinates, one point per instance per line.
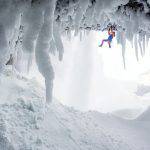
(27, 124)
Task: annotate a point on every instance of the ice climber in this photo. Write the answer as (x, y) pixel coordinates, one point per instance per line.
(111, 34)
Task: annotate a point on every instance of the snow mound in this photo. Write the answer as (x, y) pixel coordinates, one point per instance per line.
(27, 124)
(145, 116)
(128, 113)
(142, 90)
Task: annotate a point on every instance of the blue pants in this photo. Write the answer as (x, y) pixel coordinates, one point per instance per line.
(107, 40)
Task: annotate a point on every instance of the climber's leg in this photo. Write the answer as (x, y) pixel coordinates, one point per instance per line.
(109, 43)
(105, 40)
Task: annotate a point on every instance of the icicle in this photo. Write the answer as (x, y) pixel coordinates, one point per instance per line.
(33, 25)
(58, 41)
(42, 47)
(136, 47)
(131, 42)
(118, 37)
(81, 35)
(87, 32)
(83, 5)
(147, 39)
(84, 33)
(76, 31)
(12, 41)
(123, 55)
(17, 53)
(52, 48)
(97, 10)
(18, 60)
(69, 34)
(89, 16)
(121, 39)
(143, 43)
(129, 31)
(140, 45)
(123, 43)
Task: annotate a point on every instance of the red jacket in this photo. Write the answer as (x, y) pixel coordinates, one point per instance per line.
(111, 33)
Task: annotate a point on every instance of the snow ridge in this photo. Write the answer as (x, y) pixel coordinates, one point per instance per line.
(145, 116)
(26, 123)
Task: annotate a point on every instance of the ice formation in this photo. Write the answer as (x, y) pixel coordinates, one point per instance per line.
(34, 27)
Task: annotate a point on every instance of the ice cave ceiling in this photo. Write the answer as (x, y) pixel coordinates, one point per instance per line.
(95, 14)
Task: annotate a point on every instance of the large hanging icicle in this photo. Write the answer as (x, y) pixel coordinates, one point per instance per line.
(140, 43)
(32, 22)
(143, 42)
(58, 41)
(121, 39)
(123, 49)
(147, 38)
(136, 47)
(42, 47)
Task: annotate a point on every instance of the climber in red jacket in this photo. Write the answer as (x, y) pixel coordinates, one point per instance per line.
(111, 34)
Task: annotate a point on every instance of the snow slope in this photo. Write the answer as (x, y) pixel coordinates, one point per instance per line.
(27, 124)
(128, 114)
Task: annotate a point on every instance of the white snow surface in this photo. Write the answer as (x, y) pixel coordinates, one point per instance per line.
(27, 124)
